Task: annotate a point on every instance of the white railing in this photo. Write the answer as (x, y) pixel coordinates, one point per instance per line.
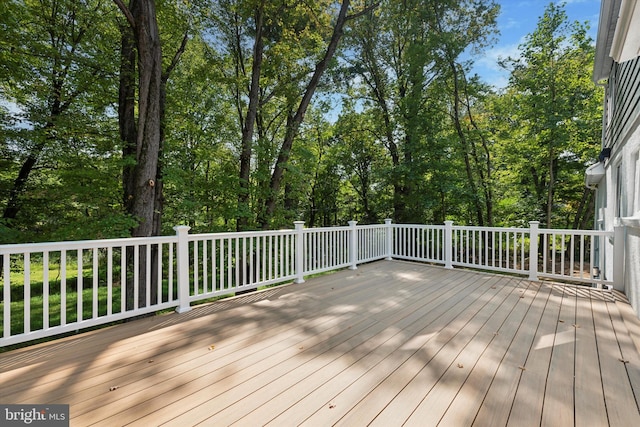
(500, 249)
(425, 243)
(225, 263)
(325, 249)
(372, 243)
(567, 255)
(54, 288)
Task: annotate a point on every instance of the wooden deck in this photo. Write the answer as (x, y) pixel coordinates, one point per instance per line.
(392, 343)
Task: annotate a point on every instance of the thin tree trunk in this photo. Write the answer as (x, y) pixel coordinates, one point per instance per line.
(464, 143)
(249, 123)
(294, 125)
(485, 180)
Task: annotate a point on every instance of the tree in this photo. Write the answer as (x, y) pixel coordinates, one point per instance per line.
(143, 136)
(57, 81)
(474, 28)
(362, 157)
(408, 56)
(555, 106)
(278, 53)
(141, 50)
(199, 166)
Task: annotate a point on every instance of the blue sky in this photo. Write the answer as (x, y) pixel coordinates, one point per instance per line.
(519, 18)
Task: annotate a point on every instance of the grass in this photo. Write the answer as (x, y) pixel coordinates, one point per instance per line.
(54, 286)
(69, 307)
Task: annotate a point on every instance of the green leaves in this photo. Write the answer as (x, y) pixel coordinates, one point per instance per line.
(557, 112)
(417, 138)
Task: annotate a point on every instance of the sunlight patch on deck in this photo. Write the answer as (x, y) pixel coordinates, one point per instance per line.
(410, 275)
(551, 340)
(417, 342)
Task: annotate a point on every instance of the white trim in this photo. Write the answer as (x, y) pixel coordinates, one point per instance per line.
(626, 39)
(593, 175)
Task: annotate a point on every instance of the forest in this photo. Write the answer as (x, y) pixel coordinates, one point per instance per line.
(128, 117)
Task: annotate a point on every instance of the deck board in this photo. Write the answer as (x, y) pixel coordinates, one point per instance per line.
(391, 343)
(589, 396)
(471, 393)
(559, 396)
(528, 401)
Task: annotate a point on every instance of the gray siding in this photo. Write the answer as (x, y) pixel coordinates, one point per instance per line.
(624, 88)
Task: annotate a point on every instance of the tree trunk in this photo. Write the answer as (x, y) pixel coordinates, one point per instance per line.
(249, 123)
(485, 175)
(149, 111)
(126, 112)
(294, 125)
(20, 183)
(140, 177)
(464, 143)
(56, 109)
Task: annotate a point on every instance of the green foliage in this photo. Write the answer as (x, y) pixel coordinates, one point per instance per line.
(554, 112)
(398, 128)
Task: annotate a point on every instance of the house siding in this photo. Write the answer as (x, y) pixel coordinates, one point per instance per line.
(617, 195)
(624, 97)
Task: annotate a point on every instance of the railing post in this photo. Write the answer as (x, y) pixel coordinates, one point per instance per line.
(353, 245)
(619, 243)
(389, 238)
(299, 227)
(182, 263)
(533, 249)
(448, 244)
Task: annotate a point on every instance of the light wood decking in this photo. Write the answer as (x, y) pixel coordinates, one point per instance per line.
(392, 343)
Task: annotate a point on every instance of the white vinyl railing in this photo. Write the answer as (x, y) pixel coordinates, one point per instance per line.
(54, 288)
(566, 255)
(325, 249)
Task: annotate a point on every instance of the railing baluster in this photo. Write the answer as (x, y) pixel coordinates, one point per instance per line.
(27, 293)
(589, 274)
(159, 295)
(170, 274)
(94, 302)
(592, 260)
(196, 262)
(45, 290)
(109, 280)
(79, 287)
(221, 263)
(252, 261)
(136, 277)
(238, 260)
(6, 293)
(147, 274)
(63, 287)
(205, 266)
(214, 264)
(230, 283)
(123, 278)
(562, 253)
(572, 239)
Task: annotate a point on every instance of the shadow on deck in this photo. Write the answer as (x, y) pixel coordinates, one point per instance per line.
(392, 343)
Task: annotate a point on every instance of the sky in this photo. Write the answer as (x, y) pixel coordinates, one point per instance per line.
(517, 19)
